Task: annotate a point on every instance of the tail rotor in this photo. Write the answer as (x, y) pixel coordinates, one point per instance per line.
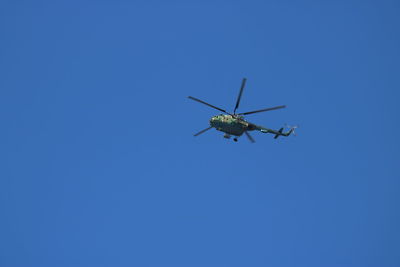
(292, 129)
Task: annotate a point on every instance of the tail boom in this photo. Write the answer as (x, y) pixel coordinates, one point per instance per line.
(276, 133)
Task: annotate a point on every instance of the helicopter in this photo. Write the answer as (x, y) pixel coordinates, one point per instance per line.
(234, 124)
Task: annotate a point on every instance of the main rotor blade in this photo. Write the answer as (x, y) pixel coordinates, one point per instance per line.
(201, 101)
(202, 131)
(250, 137)
(240, 95)
(261, 110)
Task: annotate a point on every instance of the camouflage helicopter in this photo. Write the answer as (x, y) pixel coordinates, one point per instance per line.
(235, 124)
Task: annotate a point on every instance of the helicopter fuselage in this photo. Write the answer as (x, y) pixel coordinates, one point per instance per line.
(232, 125)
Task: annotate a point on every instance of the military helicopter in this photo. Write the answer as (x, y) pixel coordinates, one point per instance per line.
(235, 124)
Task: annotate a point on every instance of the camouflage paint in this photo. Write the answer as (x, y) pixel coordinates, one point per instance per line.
(229, 124)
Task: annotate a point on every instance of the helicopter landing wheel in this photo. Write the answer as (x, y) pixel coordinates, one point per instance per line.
(235, 139)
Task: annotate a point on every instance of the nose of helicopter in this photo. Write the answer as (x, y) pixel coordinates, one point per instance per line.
(213, 120)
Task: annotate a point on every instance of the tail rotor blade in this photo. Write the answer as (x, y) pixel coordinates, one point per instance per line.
(292, 129)
(202, 131)
(240, 95)
(250, 137)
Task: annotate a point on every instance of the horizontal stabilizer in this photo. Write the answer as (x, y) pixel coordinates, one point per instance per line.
(279, 133)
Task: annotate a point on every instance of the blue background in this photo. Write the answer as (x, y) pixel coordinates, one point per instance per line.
(99, 166)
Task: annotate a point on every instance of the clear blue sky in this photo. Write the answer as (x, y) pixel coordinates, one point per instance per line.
(99, 166)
